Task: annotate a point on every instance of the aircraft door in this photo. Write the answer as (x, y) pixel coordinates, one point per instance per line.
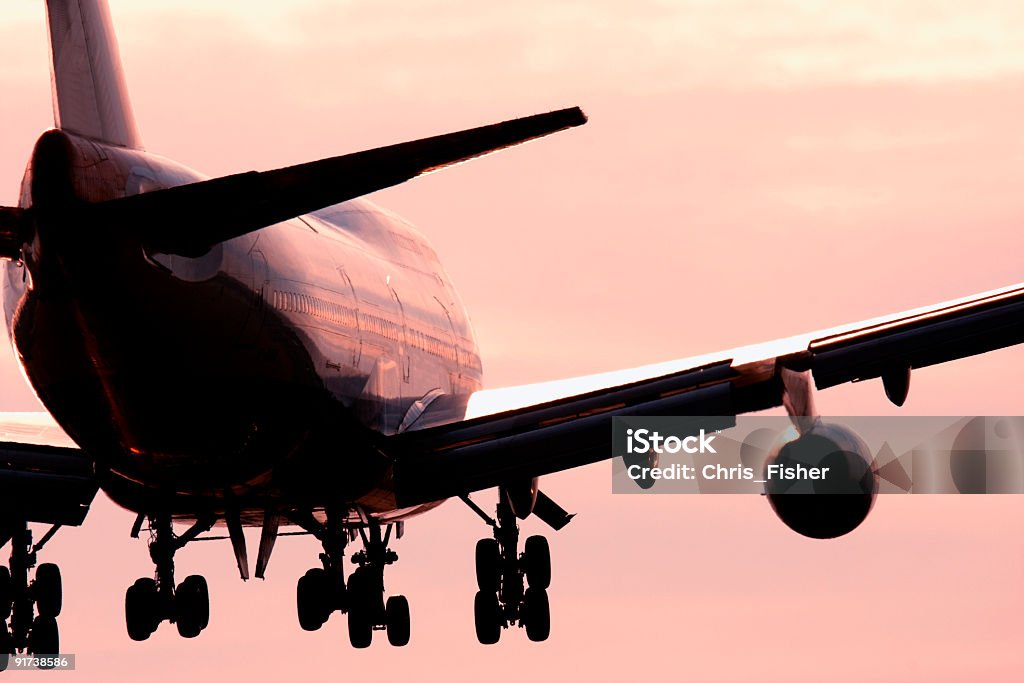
(260, 284)
(352, 300)
(404, 358)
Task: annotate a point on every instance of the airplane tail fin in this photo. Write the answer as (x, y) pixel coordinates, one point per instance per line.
(89, 93)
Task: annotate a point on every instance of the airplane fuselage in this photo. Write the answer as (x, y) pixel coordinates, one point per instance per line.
(267, 368)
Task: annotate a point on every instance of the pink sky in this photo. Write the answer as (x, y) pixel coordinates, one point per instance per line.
(751, 170)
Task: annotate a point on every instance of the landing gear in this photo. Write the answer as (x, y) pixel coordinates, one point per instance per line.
(512, 586)
(323, 591)
(32, 606)
(150, 601)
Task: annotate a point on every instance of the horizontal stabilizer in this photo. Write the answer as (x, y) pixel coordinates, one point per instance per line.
(189, 219)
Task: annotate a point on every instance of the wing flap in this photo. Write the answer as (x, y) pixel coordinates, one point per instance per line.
(458, 459)
(938, 335)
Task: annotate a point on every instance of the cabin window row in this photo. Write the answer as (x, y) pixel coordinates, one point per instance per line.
(346, 316)
(316, 307)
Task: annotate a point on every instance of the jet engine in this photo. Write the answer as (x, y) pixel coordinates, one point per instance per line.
(833, 504)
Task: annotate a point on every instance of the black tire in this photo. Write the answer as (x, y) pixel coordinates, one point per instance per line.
(44, 639)
(487, 617)
(48, 591)
(538, 562)
(488, 559)
(204, 599)
(6, 593)
(366, 594)
(6, 646)
(396, 615)
(537, 614)
(192, 604)
(360, 630)
(140, 609)
(311, 599)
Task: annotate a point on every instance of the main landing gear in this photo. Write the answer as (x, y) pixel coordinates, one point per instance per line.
(323, 590)
(512, 585)
(32, 606)
(149, 601)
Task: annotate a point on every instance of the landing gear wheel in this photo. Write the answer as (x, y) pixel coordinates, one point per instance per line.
(488, 569)
(140, 609)
(366, 594)
(204, 600)
(311, 599)
(44, 640)
(396, 615)
(6, 593)
(537, 614)
(48, 590)
(487, 616)
(6, 646)
(538, 562)
(192, 603)
(360, 630)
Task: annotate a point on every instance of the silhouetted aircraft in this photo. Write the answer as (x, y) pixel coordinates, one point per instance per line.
(267, 349)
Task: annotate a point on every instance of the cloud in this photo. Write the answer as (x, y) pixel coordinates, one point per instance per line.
(648, 45)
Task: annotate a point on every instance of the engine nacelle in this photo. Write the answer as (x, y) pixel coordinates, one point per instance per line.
(834, 505)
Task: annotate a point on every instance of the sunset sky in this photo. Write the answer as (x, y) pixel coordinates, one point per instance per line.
(751, 170)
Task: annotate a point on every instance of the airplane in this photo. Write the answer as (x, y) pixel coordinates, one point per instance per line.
(272, 350)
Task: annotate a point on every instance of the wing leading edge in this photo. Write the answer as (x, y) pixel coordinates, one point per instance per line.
(531, 431)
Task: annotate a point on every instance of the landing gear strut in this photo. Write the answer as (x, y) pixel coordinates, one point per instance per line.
(322, 591)
(512, 585)
(149, 601)
(32, 606)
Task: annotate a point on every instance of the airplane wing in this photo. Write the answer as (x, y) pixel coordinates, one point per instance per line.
(524, 432)
(189, 219)
(44, 477)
